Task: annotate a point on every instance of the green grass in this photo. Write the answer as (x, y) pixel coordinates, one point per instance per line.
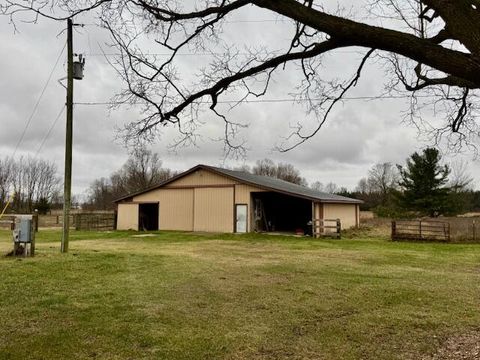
(185, 296)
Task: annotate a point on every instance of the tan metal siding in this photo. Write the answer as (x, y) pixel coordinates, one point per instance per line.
(127, 217)
(345, 212)
(319, 211)
(357, 213)
(242, 193)
(176, 208)
(202, 178)
(151, 196)
(243, 196)
(213, 209)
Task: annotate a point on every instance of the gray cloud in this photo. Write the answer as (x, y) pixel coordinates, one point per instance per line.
(358, 134)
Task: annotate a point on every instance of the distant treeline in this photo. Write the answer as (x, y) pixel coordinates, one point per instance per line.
(144, 169)
(423, 186)
(29, 183)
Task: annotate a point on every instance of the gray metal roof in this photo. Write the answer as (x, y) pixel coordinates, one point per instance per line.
(263, 182)
(283, 186)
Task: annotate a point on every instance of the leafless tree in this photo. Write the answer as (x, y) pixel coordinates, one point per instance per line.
(265, 167)
(460, 179)
(331, 188)
(243, 168)
(141, 171)
(6, 179)
(377, 189)
(363, 186)
(100, 195)
(382, 179)
(41, 180)
(282, 171)
(289, 173)
(430, 49)
(29, 180)
(317, 185)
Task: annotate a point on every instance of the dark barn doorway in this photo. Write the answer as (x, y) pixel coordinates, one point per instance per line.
(148, 217)
(281, 213)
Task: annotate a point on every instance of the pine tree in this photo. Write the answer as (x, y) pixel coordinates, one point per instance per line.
(423, 183)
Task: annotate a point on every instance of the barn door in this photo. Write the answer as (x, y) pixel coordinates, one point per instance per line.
(241, 218)
(148, 217)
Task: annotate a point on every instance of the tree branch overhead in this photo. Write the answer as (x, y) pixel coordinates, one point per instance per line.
(432, 48)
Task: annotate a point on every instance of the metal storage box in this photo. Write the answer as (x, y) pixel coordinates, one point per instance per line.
(23, 229)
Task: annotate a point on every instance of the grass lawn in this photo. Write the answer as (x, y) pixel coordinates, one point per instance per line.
(184, 296)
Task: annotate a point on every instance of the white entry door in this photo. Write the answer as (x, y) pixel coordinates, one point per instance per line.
(241, 218)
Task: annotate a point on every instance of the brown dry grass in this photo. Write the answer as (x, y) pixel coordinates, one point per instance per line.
(461, 228)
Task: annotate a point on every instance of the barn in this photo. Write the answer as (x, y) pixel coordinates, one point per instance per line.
(212, 199)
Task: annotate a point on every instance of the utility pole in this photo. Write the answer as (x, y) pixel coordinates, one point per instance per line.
(67, 186)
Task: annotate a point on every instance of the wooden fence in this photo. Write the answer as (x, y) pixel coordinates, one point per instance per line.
(54, 220)
(326, 227)
(474, 232)
(427, 230)
(82, 221)
(7, 222)
(94, 221)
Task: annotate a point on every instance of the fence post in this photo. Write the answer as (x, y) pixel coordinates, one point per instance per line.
(394, 229)
(420, 225)
(339, 228)
(35, 220)
(34, 230)
(474, 231)
(316, 228)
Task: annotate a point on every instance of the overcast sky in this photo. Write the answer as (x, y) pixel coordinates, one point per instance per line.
(359, 133)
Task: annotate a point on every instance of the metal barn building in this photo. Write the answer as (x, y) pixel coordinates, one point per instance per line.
(212, 199)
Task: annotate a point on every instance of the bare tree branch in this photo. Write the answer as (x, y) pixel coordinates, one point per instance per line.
(345, 89)
(434, 53)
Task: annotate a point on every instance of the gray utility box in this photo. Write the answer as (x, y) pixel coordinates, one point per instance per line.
(23, 229)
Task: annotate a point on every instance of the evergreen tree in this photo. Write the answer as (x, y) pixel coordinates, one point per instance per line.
(43, 206)
(423, 183)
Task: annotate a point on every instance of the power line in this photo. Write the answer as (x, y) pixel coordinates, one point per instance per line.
(257, 21)
(380, 97)
(50, 131)
(223, 22)
(27, 125)
(210, 54)
(161, 54)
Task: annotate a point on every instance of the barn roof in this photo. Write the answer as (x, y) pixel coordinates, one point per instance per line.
(260, 181)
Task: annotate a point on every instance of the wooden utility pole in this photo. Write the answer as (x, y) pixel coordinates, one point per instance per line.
(67, 185)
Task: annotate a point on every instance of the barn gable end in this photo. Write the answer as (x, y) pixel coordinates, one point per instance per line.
(201, 178)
